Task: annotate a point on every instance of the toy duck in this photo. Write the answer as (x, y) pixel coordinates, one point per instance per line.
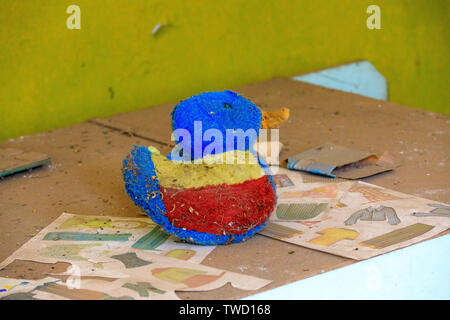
(205, 196)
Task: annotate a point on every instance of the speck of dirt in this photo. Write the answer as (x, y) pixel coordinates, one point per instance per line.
(111, 92)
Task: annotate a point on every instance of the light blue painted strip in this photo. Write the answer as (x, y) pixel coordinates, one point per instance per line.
(359, 77)
(420, 271)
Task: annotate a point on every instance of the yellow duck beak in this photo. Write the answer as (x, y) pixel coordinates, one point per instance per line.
(274, 119)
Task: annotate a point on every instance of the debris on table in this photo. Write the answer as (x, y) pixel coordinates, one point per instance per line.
(274, 119)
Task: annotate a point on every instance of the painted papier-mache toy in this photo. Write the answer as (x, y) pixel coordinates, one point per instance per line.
(211, 189)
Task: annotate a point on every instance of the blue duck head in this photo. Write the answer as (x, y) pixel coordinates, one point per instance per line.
(199, 121)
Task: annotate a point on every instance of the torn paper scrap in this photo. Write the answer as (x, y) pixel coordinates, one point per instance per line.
(20, 289)
(56, 289)
(438, 211)
(157, 27)
(337, 161)
(137, 274)
(367, 221)
(102, 258)
(70, 234)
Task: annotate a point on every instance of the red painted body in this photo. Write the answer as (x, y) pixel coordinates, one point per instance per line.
(222, 209)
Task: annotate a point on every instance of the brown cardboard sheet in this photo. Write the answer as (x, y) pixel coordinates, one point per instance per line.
(84, 177)
(15, 160)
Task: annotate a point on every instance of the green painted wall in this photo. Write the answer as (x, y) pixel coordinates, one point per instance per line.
(51, 76)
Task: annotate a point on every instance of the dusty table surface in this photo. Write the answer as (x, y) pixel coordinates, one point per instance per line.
(84, 176)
